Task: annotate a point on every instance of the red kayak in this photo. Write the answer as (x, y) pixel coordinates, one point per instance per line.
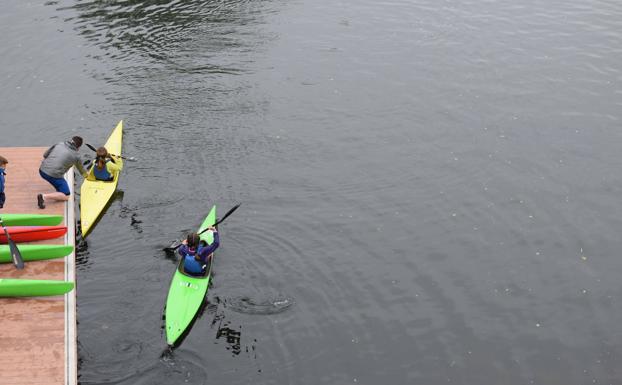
(32, 233)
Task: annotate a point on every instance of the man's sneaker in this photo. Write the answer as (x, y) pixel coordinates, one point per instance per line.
(40, 201)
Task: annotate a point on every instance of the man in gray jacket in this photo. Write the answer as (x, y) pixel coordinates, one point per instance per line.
(57, 160)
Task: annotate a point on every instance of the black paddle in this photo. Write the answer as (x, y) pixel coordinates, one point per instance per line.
(15, 254)
(173, 248)
(131, 159)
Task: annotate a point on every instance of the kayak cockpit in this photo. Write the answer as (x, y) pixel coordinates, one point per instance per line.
(206, 269)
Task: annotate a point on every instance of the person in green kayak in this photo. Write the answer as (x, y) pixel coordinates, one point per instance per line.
(105, 166)
(197, 253)
(57, 160)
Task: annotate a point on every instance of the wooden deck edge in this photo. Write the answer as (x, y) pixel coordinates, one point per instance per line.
(71, 346)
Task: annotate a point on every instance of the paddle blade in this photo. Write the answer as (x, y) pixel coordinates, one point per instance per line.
(91, 147)
(18, 261)
(227, 214)
(174, 246)
(131, 158)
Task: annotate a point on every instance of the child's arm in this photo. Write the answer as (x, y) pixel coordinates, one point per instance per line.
(116, 166)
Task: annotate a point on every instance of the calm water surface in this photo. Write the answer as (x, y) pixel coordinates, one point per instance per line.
(430, 189)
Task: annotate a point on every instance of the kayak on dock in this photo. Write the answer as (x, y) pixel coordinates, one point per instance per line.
(35, 252)
(33, 287)
(187, 292)
(33, 233)
(31, 220)
(95, 194)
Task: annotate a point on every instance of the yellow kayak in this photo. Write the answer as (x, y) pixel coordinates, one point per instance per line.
(95, 194)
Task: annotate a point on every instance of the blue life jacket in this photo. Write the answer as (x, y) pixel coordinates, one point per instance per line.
(191, 265)
(102, 174)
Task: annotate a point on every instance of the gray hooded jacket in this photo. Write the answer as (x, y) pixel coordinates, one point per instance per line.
(59, 158)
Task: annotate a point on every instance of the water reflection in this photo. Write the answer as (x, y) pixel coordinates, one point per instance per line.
(174, 68)
(167, 31)
(231, 336)
(82, 246)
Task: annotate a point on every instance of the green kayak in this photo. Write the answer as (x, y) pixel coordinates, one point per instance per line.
(187, 292)
(33, 287)
(35, 252)
(31, 220)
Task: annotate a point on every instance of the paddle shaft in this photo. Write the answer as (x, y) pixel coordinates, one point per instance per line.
(18, 261)
(214, 225)
(118, 156)
(223, 218)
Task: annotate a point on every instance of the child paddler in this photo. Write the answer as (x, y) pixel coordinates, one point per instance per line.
(197, 253)
(105, 166)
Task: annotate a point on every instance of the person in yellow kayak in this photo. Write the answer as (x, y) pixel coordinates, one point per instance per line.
(105, 166)
(197, 253)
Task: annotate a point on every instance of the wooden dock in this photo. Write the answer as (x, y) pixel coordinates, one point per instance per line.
(38, 334)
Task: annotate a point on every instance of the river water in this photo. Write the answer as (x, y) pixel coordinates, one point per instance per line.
(430, 189)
